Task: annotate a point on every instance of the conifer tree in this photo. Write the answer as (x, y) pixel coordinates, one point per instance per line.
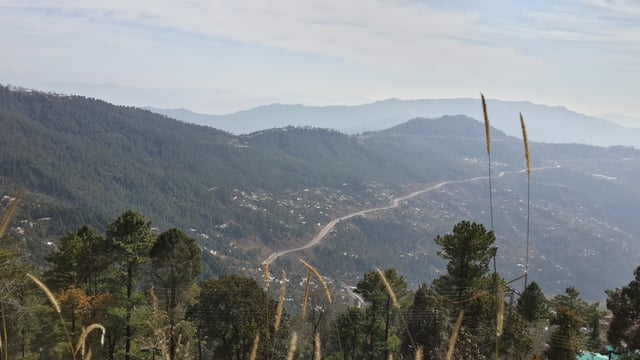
(130, 240)
(532, 303)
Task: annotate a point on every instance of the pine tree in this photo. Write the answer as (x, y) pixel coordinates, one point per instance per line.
(130, 240)
(532, 303)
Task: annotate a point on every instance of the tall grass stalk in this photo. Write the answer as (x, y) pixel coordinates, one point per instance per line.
(280, 306)
(56, 307)
(394, 301)
(528, 163)
(265, 275)
(454, 335)
(500, 313)
(419, 353)
(317, 275)
(9, 214)
(499, 317)
(83, 338)
(306, 295)
(47, 292)
(387, 286)
(293, 345)
(80, 346)
(487, 133)
(254, 348)
(317, 347)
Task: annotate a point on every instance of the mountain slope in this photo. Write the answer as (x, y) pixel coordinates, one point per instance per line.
(243, 197)
(545, 123)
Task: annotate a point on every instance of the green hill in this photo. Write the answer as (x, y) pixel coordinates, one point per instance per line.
(242, 197)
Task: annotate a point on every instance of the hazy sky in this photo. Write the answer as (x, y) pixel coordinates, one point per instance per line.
(220, 56)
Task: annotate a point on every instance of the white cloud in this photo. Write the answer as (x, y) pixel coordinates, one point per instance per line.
(394, 35)
(629, 9)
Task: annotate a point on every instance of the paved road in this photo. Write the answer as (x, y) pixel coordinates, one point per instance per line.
(393, 204)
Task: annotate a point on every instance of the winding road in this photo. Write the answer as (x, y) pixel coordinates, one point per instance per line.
(394, 204)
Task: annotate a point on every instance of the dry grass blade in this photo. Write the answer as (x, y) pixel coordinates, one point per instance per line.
(306, 295)
(318, 347)
(265, 275)
(394, 301)
(293, 345)
(45, 289)
(280, 307)
(12, 209)
(254, 348)
(419, 353)
(390, 291)
(526, 144)
(454, 335)
(475, 296)
(56, 306)
(487, 129)
(83, 337)
(317, 275)
(500, 316)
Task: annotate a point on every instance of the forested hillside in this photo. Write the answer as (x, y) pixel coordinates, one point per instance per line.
(84, 161)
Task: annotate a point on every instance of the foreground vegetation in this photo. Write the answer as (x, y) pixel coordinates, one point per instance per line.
(143, 288)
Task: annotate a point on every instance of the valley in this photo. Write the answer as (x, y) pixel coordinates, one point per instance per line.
(348, 203)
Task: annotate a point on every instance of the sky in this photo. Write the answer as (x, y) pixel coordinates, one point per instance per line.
(222, 56)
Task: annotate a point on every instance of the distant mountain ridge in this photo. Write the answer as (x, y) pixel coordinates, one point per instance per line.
(544, 123)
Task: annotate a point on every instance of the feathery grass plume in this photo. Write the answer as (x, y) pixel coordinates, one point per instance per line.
(267, 280)
(487, 133)
(317, 275)
(419, 353)
(528, 161)
(12, 209)
(280, 307)
(265, 275)
(254, 348)
(387, 286)
(390, 357)
(306, 295)
(454, 335)
(45, 289)
(318, 347)
(394, 301)
(526, 144)
(80, 346)
(500, 315)
(487, 128)
(499, 318)
(56, 306)
(293, 345)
